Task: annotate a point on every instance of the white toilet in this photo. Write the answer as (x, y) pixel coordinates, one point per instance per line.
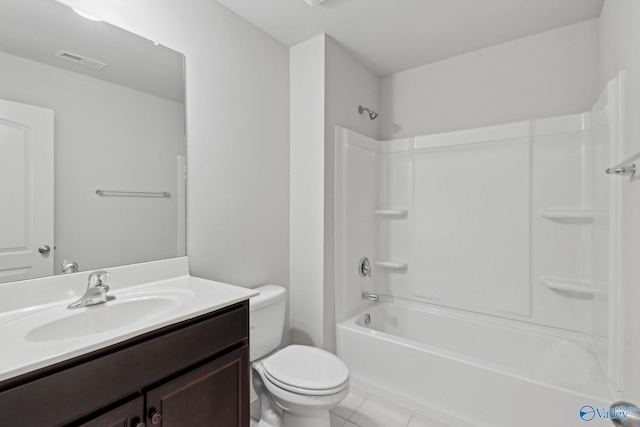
(298, 384)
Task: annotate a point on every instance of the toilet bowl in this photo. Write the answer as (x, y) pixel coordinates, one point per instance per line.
(301, 384)
(298, 384)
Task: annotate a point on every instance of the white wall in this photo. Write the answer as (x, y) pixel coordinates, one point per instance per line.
(109, 137)
(307, 159)
(327, 85)
(549, 74)
(619, 41)
(237, 130)
(348, 85)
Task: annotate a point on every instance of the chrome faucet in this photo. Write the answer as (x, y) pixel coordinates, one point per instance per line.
(370, 296)
(96, 291)
(69, 267)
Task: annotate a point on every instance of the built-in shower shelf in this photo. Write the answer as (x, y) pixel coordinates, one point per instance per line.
(392, 265)
(391, 213)
(575, 287)
(584, 216)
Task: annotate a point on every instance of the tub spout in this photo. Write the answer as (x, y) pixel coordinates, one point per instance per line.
(370, 296)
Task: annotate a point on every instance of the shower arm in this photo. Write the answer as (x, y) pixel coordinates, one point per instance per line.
(372, 114)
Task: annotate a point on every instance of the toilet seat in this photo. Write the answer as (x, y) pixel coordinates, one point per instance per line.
(305, 391)
(306, 370)
(298, 402)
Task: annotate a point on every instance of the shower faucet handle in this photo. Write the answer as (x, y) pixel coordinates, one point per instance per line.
(364, 267)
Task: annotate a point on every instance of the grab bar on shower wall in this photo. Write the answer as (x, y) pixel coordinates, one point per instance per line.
(626, 167)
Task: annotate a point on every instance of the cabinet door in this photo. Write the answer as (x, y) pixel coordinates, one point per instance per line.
(215, 394)
(128, 415)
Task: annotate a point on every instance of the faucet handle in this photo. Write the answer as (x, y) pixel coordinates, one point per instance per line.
(98, 278)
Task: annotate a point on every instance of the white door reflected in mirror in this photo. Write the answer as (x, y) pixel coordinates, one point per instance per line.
(26, 186)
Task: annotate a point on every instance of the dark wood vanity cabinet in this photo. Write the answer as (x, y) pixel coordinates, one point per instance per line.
(207, 396)
(130, 414)
(195, 373)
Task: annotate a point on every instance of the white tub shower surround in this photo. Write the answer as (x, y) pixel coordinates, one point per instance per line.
(465, 372)
(498, 251)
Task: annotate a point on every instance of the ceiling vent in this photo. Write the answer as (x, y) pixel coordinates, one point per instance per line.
(82, 60)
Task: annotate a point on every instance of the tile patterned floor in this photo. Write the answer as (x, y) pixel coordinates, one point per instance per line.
(361, 410)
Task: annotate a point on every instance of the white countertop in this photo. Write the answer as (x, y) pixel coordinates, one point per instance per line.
(20, 353)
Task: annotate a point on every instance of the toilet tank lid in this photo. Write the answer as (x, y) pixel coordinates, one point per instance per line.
(269, 294)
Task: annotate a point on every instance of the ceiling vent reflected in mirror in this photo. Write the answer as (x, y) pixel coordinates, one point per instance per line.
(82, 60)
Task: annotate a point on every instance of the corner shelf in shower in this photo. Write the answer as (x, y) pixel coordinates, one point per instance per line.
(392, 265)
(573, 287)
(579, 216)
(392, 213)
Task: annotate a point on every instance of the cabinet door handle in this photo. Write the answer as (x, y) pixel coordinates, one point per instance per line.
(156, 417)
(137, 423)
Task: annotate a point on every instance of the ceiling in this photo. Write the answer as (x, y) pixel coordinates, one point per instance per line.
(38, 29)
(394, 35)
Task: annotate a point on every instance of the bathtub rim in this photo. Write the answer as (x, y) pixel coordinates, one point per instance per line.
(582, 339)
(352, 325)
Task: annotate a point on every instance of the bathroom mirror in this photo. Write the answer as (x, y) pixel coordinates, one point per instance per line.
(92, 143)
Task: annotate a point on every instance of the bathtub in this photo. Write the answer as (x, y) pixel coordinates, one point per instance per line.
(465, 371)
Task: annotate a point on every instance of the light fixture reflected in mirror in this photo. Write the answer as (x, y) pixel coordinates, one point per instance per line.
(86, 15)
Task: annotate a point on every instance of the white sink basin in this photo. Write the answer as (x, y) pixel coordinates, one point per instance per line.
(129, 308)
(37, 330)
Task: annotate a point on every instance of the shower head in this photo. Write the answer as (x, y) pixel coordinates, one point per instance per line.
(372, 114)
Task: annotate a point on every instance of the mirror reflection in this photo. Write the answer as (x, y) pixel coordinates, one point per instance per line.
(85, 106)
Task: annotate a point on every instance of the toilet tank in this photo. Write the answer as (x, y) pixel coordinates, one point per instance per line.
(266, 320)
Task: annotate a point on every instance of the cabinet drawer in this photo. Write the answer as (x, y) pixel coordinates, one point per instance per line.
(101, 378)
